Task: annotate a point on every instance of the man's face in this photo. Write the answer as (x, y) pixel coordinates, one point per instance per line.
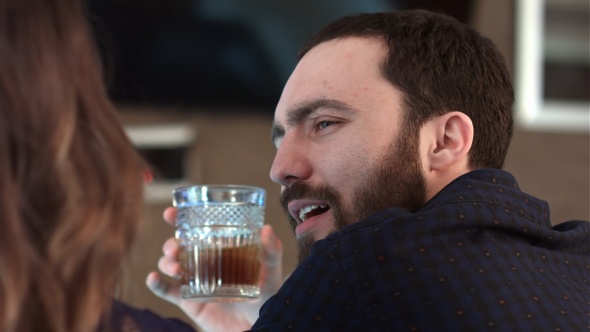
(341, 152)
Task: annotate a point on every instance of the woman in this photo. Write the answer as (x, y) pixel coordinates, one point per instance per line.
(70, 180)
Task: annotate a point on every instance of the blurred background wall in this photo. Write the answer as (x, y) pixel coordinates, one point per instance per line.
(214, 70)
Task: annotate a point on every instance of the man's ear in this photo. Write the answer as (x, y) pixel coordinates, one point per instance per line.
(449, 140)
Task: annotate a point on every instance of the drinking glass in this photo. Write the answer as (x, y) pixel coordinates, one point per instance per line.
(218, 231)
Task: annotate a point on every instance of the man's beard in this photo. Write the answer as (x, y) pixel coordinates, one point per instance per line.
(396, 181)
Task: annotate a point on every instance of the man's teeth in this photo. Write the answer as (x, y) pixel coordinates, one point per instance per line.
(308, 209)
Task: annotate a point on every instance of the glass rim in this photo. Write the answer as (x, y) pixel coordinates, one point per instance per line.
(220, 187)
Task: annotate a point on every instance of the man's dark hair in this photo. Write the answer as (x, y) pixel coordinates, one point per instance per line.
(440, 65)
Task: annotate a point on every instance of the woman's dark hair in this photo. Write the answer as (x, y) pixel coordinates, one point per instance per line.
(70, 180)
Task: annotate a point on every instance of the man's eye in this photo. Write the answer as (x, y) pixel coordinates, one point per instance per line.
(324, 124)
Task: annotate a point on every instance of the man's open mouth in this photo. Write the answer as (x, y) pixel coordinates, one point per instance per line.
(311, 211)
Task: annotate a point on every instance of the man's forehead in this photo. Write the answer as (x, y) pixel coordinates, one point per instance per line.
(334, 74)
(329, 67)
(335, 46)
(351, 55)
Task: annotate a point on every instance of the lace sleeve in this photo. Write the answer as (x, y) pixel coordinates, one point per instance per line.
(124, 318)
(127, 324)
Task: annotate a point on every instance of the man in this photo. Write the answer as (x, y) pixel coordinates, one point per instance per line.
(390, 135)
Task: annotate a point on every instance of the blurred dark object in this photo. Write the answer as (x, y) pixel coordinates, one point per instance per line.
(164, 54)
(216, 54)
(459, 9)
(566, 81)
(166, 163)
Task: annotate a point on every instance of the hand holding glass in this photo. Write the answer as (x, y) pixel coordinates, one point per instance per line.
(218, 231)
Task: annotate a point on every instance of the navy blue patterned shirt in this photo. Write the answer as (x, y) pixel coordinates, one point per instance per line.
(479, 256)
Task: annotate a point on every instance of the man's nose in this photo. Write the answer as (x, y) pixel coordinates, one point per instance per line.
(291, 163)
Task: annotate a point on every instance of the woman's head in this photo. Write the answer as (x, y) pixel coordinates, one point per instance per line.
(70, 180)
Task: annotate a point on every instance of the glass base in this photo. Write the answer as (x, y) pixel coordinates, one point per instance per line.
(233, 293)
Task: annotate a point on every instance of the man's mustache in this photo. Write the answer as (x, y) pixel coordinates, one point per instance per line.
(300, 190)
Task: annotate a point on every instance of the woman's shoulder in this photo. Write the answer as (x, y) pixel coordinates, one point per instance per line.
(125, 318)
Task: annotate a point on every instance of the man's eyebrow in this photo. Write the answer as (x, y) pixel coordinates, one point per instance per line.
(301, 112)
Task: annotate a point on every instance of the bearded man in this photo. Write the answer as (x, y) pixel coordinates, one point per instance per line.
(391, 134)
